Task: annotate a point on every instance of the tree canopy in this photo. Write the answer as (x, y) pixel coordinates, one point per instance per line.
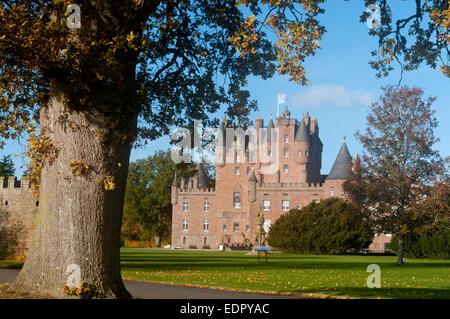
(6, 166)
(399, 164)
(148, 196)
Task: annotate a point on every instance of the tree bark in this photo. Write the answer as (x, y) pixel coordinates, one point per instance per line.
(78, 220)
(400, 251)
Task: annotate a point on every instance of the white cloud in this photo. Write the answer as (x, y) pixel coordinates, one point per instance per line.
(333, 96)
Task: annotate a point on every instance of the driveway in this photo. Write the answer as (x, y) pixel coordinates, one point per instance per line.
(148, 290)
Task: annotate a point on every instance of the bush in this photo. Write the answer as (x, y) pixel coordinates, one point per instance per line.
(427, 245)
(141, 244)
(206, 247)
(193, 246)
(332, 226)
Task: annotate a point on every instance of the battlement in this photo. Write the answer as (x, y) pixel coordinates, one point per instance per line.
(293, 186)
(197, 190)
(13, 183)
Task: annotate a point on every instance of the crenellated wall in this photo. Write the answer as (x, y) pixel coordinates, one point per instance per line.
(18, 209)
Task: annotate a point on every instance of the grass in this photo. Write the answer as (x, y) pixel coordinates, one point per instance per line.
(343, 276)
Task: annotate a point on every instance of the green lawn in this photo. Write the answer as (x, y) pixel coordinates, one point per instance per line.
(289, 273)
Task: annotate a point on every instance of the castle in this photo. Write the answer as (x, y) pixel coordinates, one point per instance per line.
(245, 184)
(18, 209)
(205, 217)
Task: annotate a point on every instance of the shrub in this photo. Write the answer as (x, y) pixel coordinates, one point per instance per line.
(426, 245)
(332, 226)
(206, 247)
(193, 246)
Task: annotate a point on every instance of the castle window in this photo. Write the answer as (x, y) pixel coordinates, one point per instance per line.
(286, 138)
(286, 153)
(185, 206)
(224, 227)
(299, 153)
(306, 153)
(205, 225)
(331, 190)
(185, 224)
(237, 200)
(266, 205)
(248, 170)
(298, 206)
(286, 169)
(237, 170)
(247, 228)
(284, 205)
(184, 240)
(206, 206)
(204, 241)
(236, 226)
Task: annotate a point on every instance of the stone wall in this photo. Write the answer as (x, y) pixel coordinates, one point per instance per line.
(18, 209)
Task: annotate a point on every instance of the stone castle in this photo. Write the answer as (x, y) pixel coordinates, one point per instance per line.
(18, 209)
(226, 215)
(208, 217)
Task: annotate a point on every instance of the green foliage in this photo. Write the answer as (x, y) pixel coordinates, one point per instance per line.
(426, 245)
(7, 166)
(148, 208)
(330, 227)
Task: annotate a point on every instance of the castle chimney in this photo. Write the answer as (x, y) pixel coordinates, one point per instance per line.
(183, 183)
(190, 183)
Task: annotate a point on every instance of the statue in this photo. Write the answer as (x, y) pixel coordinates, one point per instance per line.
(260, 232)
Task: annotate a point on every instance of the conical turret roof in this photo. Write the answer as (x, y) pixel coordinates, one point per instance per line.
(203, 181)
(252, 177)
(342, 165)
(269, 130)
(301, 135)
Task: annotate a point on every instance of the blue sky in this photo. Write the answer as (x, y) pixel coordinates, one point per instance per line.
(342, 86)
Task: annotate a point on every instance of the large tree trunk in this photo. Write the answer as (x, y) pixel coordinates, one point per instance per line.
(400, 252)
(78, 220)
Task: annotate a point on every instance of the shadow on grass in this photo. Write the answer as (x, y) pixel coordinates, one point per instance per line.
(199, 261)
(382, 293)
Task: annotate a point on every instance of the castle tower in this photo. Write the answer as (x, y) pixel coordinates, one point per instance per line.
(174, 194)
(220, 150)
(302, 138)
(252, 187)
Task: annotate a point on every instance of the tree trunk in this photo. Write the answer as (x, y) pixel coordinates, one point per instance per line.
(78, 220)
(158, 241)
(400, 251)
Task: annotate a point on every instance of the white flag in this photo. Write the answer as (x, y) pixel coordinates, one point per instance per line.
(282, 98)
